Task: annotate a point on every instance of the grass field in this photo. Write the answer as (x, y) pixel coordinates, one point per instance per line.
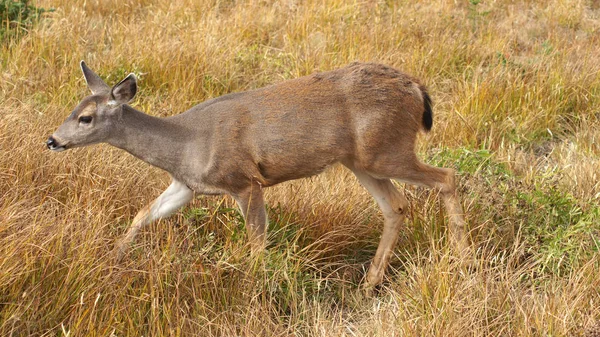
(516, 88)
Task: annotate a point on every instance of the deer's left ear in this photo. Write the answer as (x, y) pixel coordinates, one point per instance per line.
(94, 82)
(125, 90)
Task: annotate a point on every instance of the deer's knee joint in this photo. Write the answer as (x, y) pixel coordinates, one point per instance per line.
(398, 206)
(449, 186)
(400, 210)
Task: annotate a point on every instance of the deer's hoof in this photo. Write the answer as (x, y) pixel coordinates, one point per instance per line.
(119, 252)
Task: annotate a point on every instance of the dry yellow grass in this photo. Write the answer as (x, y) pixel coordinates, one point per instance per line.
(517, 93)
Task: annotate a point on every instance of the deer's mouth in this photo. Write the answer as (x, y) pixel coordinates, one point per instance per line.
(53, 145)
(58, 148)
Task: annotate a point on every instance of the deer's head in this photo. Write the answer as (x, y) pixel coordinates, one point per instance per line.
(96, 118)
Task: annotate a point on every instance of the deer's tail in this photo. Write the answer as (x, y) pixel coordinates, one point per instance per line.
(428, 112)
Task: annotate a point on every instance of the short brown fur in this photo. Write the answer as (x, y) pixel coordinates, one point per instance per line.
(365, 116)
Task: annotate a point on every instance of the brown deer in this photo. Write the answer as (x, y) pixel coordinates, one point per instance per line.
(365, 116)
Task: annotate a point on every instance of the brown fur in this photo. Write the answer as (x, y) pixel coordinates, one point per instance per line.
(365, 116)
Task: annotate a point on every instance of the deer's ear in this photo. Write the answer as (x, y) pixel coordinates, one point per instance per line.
(125, 90)
(94, 82)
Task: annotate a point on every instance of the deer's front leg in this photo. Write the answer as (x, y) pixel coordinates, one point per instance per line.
(173, 198)
(252, 205)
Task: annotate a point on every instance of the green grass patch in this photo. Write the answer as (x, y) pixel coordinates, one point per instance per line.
(560, 231)
(17, 17)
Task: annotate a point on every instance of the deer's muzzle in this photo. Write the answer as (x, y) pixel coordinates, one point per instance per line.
(53, 145)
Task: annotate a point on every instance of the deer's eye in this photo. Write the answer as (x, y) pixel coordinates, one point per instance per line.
(85, 119)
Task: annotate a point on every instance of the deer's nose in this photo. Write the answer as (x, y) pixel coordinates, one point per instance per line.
(51, 143)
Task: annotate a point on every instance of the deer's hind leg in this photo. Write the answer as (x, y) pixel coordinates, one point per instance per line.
(414, 172)
(172, 199)
(393, 205)
(442, 179)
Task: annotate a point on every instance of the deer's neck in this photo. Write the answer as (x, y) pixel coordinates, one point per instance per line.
(154, 140)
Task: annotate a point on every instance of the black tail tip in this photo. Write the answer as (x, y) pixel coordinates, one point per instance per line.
(428, 113)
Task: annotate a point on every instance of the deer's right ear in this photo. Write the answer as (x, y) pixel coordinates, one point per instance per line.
(125, 90)
(94, 82)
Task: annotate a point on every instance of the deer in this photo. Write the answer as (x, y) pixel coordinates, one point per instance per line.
(364, 116)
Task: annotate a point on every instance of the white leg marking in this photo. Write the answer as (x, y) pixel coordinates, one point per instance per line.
(173, 198)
